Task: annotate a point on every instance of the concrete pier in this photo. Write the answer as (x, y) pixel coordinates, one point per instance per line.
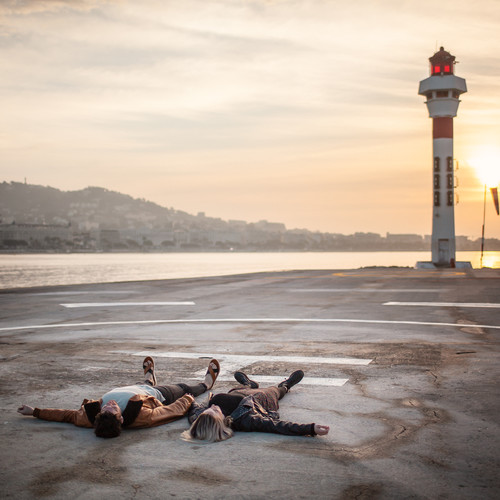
(402, 364)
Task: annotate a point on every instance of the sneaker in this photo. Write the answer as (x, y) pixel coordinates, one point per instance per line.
(243, 379)
(292, 380)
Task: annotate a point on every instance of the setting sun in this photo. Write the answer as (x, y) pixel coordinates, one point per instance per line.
(486, 162)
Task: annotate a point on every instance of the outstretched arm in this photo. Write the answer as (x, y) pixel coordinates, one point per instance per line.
(25, 410)
(76, 417)
(154, 413)
(258, 423)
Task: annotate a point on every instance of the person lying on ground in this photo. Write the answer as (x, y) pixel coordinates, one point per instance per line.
(247, 408)
(133, 406)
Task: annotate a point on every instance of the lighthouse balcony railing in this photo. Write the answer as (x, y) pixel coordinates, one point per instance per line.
(445, 82)
(447, 106)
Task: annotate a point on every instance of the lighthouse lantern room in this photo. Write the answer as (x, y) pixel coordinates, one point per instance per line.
(442, 90)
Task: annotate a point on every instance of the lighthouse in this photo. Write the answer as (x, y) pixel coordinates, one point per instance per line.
(442, 90)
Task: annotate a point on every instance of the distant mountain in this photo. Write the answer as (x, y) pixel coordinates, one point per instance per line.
(38, 218)
(90, 208)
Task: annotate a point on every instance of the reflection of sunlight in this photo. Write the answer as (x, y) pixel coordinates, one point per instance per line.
(491, 259)
(486, 162)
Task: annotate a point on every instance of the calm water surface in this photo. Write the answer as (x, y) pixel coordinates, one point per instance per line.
(26, 270)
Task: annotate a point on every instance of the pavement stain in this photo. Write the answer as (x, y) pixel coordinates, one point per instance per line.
(101, 464)
(399, 433)
(362, 492)
(100, 467)
(199, 475)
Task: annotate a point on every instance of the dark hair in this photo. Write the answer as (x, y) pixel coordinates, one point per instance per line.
(107, 425)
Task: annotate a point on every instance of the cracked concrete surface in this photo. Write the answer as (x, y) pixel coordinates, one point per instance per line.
(420, 421)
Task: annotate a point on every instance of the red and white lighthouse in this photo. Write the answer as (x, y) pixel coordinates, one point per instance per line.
(442, 90)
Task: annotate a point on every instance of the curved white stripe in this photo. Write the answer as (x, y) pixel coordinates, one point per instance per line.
(246, 320)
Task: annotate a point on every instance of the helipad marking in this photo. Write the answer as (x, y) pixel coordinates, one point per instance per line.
(97, 292)
(125, 304)
(370, 290)
(242, 320)
(232, 362)
(445, 304)
(244, 359)
(269, 380)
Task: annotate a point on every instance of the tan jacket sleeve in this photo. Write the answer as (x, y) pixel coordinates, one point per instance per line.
(76, 417)
(154, 413)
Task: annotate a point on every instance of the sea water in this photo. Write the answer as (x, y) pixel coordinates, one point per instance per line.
(28, 270)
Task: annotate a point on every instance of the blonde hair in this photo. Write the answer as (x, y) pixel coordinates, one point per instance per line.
(210, 427)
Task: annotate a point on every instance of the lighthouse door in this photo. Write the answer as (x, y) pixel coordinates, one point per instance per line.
(443, 251)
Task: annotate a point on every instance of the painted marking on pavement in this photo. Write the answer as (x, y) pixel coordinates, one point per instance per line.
(232, 362)
(370, 290)
(269, 380)
(244, 359)
(243, 320)
(97, 292)
(445, 304)
(125, 304)
(420, 273)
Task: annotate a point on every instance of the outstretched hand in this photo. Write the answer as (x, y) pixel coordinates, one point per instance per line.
(321, 430)
(25, 410)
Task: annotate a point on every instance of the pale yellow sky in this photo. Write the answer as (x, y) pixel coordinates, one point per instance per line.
(302, 112)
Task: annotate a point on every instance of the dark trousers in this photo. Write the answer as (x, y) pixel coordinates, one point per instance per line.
(267, 397)
(173, 392)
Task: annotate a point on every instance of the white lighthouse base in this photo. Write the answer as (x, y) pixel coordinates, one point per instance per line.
(431, 265)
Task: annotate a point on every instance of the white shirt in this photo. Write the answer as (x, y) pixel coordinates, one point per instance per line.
(122, 395)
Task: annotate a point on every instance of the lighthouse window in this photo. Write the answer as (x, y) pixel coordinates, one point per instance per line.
(436, 164)
(447, 69)
(442, 93)
(449, 181)
(436, 181)
(437, 69)
(455, 94)
(436, 199)
(449, 164)
(449, 198)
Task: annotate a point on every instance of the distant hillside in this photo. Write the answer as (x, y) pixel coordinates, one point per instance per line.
(91, 208)
(39, 218)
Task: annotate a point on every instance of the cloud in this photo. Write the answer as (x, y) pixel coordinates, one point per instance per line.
(26, 7)
(243, 94)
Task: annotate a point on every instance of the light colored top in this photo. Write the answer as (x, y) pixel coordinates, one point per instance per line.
(122, 394)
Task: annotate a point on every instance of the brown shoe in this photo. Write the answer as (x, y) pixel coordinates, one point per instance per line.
(149, 370)
(213, 371)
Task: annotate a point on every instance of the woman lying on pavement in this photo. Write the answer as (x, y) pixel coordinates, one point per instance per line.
(134, 406)
(246, 408)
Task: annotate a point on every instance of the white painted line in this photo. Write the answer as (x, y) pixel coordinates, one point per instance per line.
(98, 292)
(125, 304)
(268, 380)
(370, 290)
(242, 320)
(232, 362)
(445, 304)
(245, 360)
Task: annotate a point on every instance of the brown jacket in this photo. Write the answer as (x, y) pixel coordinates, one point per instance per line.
(141, 411)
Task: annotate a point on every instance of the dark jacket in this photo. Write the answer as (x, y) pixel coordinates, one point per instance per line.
(250, 416)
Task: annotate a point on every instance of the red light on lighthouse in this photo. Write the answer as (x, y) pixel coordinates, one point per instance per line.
(442, 63)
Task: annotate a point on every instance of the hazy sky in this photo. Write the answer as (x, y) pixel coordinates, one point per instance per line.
(297, 111)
